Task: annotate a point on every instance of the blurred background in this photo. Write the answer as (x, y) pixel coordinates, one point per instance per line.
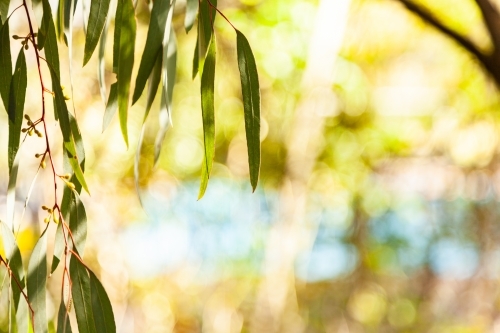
(377, 208)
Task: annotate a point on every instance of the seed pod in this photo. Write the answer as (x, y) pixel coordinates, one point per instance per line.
(43, 164)
(47, 219)
(55, 217)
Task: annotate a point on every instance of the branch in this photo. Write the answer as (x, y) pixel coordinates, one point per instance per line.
(492, 20)
(429, 18)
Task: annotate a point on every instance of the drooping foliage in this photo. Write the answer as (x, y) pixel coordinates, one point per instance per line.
(81, 290)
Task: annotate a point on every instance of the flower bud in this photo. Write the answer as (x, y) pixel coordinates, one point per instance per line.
(47, 219)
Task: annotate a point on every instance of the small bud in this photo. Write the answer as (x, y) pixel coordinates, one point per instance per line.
(62, 87)
(16, 37)
(66, 97)
(30, 123)
(27, 117)
(38, 133)
(66, 176)
(47, 219)
(43, 164)
(24, 130)
(70, 185)
(55, 217)
(45, 207)
(38, 155)
(30, 132)
(49, 210)
(26, 46)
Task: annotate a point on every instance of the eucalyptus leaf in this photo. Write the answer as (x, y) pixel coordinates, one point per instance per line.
(13, 257)
(97, 19)
(16, 106)
(80, 290)
(101, 306)
(191, 11)
(208, 113)
(5, 65)
(111, 106)
(4, 9)
(154, 39)
(63, 323)
(123, 57)
(251, 104)
(36, 284)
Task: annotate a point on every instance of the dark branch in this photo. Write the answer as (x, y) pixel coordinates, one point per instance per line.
(429, 18)
(492, 21)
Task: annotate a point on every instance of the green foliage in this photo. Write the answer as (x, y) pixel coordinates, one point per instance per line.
(157, 69)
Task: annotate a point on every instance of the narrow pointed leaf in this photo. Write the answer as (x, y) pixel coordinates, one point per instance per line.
(251, 104)
(16, 106)
(80, 290)
(63, 323)
(101, 306)
(4, 9)
(58, 242)
(48, 31)
(111, 106)
(75, 163)
(154, 39)
(13, 257)
(36, 284)
(78, 222)
(123, 57)
(97, 19)
(207, 108)
(101, 64)
(169, 75)
(206, 18)
(191, 11)
(196, 61)
(5, 65)
(153, 84)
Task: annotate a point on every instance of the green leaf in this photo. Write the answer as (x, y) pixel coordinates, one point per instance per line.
(16, 106)
(111, 106)
(80, 289)
(208, 113)
(206, 17)
(153, 84)
(5, 65)
(75, 164)
(154, 39)
(101, 67)
(78, 221)
(169, 75)
(123, 57)
(196, 62)
(63, 323)
(59, 242)
(37, 280)
(13, 257)
(4, 9)
(101, 306)
(251, 104)
(49, 37)
(97, 19)
(191, 11)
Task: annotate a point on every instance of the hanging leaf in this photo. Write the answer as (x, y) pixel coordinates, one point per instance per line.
(4, 10)
(101, 306)
(123, 57)
(101, 65)
(47, 38)
(80, 290)
(78, 221)
(5, 65)
(207, 108)
(153, 84)
(70, 150)
(191, 11)
(206, 18)
(169, 75)
(16, 106)
(97, 19)
(196, 61)
(111, 106)
(59, 242)
(13, 257)
(63, 323)
(36, 283)
(251, 104)
(154, 39)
